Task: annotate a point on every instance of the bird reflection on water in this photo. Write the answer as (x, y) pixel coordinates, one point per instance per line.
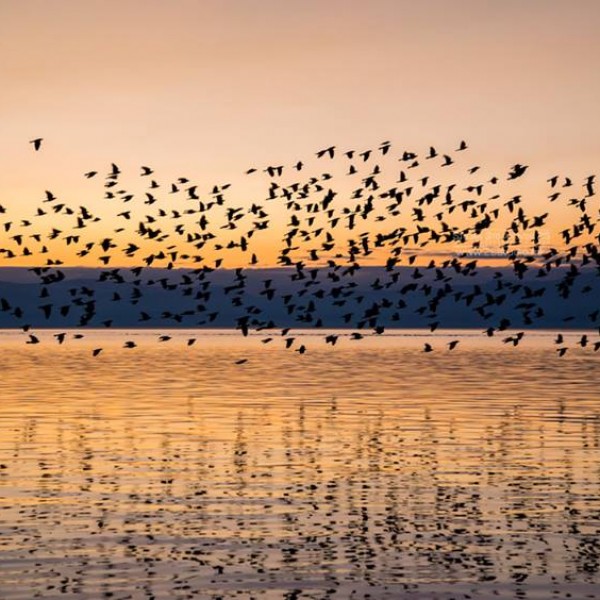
(370, 469)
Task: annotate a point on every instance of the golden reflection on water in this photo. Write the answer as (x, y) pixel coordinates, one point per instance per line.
(368, 468)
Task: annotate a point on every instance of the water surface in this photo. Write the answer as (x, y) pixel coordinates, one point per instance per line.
(366, 470)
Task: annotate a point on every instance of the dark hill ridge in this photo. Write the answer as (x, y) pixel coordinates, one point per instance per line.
(365, 298)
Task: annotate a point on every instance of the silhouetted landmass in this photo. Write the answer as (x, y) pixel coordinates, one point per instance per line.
(161, 298)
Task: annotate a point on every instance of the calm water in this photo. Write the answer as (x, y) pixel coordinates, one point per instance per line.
(367, 470)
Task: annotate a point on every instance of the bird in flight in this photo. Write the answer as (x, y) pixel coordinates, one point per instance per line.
(37, 143)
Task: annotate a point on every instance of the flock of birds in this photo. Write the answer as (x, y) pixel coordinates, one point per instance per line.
(416, 226)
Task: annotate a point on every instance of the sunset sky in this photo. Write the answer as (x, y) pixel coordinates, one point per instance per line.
(210, 88)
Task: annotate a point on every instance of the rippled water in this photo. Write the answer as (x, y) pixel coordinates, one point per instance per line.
(367, 470)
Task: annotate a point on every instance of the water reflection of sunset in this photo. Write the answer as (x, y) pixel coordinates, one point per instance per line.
(371, 463)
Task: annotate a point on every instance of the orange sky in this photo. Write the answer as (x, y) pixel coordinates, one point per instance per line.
(207, 89)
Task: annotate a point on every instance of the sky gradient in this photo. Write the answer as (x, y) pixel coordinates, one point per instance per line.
(208, 89)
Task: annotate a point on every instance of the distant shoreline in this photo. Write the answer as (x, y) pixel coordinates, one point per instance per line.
(389, 331)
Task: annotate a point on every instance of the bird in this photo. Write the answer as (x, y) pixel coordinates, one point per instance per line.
(516, 171)
(329, 151)
(37, 143)
(514, 339)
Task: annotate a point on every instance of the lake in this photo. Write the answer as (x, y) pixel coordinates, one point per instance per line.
(370, 469)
